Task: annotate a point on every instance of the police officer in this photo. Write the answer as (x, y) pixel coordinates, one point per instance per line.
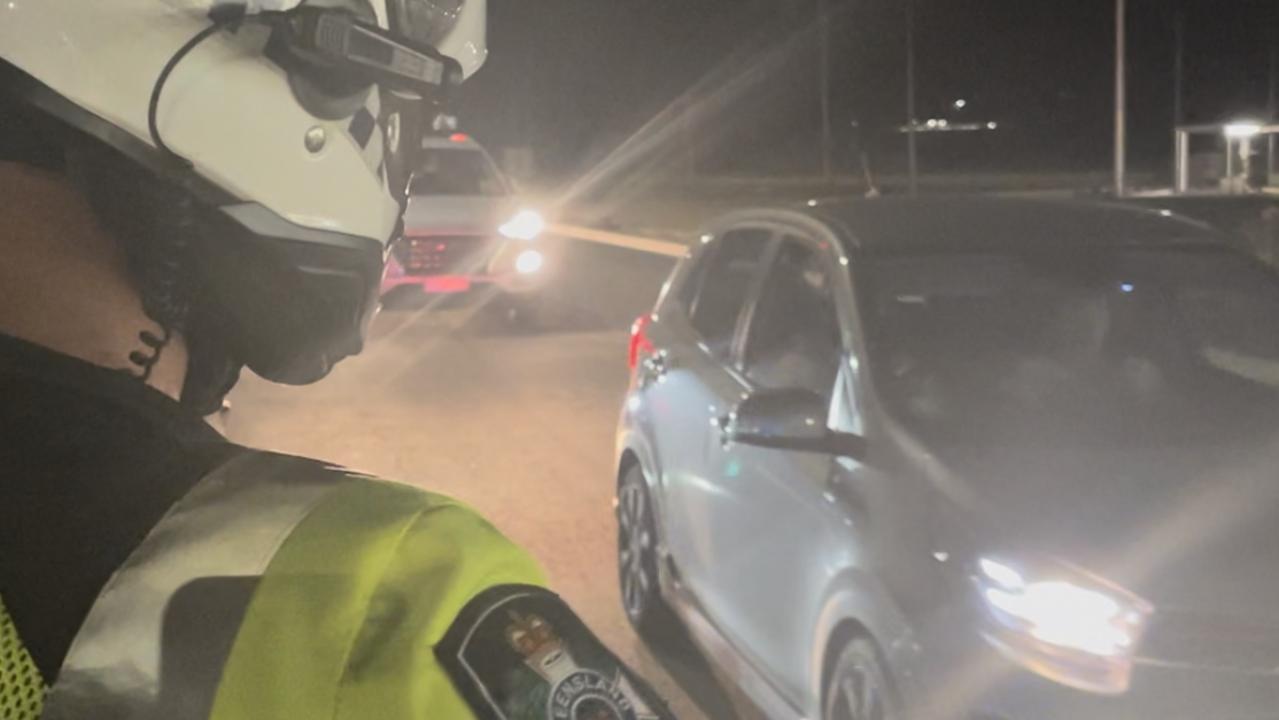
(188, 189)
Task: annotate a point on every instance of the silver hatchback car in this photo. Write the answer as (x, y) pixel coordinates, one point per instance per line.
(961, 458)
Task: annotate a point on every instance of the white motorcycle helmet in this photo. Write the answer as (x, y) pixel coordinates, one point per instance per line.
(252, 156)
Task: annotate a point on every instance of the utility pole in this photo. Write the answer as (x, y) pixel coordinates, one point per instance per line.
(1272, 102)
(1178, 69)
(823, 73)
(912, 154)
(1121, 135)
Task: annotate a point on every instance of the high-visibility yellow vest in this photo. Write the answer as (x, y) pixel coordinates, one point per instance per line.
(277, 588)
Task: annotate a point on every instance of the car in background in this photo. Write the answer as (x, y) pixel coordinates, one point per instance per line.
(466, 227)
(961, 458)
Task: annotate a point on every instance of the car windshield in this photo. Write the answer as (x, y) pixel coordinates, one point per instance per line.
(1082, 346)
(456, 172)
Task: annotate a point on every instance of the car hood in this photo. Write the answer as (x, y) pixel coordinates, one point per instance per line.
(1194, 527)
(457, 214)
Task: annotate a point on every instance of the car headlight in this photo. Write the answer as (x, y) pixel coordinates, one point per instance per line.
(1062, 622)
(529, 262)
(524, 225)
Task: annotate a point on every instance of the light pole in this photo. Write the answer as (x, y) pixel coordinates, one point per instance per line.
(1272, 100)
(823, 72)
(912, 155)
(1179, 178)
(1121, 138)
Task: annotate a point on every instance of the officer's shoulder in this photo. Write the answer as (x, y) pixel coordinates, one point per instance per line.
(297, 473)
(362, 504)
(510, 647)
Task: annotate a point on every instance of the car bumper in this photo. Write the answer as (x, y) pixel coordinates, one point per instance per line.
(1156, 692)
(956, 674)
(450, 284)
(504, 267)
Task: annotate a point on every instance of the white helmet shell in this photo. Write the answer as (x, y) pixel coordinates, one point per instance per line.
(226, 108)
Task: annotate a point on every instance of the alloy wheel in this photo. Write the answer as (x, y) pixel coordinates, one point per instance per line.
(636, 558)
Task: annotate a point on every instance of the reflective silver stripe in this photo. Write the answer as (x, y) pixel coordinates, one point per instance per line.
(156, 639)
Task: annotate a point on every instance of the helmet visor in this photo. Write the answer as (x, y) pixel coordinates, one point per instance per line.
(426, 22)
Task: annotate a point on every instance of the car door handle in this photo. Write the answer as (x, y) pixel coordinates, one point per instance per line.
(723, 422)
(657, 364)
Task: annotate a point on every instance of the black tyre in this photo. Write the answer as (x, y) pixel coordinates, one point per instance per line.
(859, 687)
(637, 556)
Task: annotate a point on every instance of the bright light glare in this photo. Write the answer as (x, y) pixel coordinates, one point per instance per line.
(525, 225)
(1006, 577)
(529, 262)
(960, 104)
(1241, 130)
(992, 125)
(1066, 615)
(1059, 612)
(812, 203)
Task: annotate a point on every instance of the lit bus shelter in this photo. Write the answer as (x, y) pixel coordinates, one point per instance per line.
(1244, 143)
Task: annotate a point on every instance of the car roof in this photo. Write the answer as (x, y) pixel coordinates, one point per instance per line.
(973, 224)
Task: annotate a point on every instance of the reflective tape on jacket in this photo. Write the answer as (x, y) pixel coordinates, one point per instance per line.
(283, 588)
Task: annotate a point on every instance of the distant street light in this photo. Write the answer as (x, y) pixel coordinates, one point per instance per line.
(1242, 130)
(1239, 136)
(960, 104)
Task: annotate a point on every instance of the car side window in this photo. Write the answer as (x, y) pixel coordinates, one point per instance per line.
(725, 283)
(794, 338)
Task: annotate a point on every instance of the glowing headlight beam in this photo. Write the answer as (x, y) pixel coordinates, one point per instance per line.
(1067, 613)
(1067, 616)
(529, 262)
(524, 225)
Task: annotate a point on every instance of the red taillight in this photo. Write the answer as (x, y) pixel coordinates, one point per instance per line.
(640, 343)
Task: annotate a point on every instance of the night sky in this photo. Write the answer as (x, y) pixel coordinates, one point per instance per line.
(575, 78)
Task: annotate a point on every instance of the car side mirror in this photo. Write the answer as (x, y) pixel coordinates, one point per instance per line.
(790, 419)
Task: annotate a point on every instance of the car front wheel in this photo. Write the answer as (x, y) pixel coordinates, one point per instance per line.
(859, 686)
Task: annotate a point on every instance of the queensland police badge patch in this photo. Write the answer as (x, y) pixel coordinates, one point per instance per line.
(518, 652)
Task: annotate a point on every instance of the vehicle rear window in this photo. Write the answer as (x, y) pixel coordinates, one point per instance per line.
(456, 172)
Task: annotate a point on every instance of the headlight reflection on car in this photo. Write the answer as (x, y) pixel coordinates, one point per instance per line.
(524, 225)
(1062, 623)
